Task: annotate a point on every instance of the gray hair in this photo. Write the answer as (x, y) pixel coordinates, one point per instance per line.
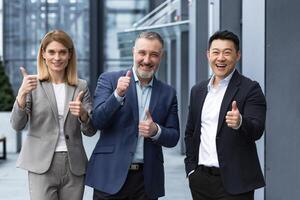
(150, 35)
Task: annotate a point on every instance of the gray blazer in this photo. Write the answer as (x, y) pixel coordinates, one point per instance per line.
(43, 128)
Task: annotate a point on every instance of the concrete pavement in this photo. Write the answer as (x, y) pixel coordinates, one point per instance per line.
(14, 185)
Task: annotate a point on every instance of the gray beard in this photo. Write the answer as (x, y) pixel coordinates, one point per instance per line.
(145, 75)
(142, 74)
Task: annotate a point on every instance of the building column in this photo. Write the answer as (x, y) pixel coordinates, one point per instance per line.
(253, 62)
(97, 27)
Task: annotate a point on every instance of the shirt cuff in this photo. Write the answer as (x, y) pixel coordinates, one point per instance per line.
(156, 136)
(240, 123)
(191, 172)
(20, 108)
(81, 122)
(119, 98)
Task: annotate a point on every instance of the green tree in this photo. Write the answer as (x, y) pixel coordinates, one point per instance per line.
(6, 93)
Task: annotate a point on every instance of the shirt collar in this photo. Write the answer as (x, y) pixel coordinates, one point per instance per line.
(136, 79)
(223, 82)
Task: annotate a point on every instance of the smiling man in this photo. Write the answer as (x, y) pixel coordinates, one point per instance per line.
(226, 116)
(137, 115)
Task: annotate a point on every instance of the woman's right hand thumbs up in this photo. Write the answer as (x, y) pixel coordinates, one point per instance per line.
(29, 83)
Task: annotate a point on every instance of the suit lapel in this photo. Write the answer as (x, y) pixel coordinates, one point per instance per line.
(201, 95)
(48, 89)
(131, 97)
(154, 95)
(69, 97)
(228, 98)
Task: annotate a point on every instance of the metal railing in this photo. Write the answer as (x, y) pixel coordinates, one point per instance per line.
(160, 15)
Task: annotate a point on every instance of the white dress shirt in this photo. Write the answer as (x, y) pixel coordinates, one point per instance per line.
(60, 96)
(209, 122)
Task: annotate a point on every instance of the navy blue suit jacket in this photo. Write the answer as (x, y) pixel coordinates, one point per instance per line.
(109, 164)
(236, 149)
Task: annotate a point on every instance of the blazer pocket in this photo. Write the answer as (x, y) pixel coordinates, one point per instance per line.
(104, 149)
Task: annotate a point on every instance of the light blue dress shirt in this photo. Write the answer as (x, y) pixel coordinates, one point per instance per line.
(143, 98)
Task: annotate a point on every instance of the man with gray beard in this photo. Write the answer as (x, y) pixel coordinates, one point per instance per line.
(137, 115)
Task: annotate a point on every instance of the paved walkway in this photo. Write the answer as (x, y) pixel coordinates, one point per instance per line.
(14, 185)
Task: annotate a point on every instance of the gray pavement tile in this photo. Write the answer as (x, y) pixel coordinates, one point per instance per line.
(14, 185)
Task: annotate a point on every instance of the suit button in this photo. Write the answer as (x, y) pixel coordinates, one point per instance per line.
(67, 137)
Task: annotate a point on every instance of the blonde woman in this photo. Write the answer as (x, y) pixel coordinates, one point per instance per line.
(56, 105)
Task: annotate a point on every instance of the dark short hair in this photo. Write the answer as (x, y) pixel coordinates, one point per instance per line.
(150, 35)
(225, 35)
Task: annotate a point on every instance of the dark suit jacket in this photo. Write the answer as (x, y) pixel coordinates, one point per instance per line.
(113, 154)
(236, 149)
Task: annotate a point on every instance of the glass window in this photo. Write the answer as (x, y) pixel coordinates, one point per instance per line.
(26, 22)
(120, 15)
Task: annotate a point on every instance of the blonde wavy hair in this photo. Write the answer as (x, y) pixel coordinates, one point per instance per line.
(62, 37)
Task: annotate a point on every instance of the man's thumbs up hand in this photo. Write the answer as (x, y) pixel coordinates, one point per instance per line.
(123, 84)
(233, 117)
(147, 127)
(77, 109)
(148, 115)
(128, 73)
(234, 106)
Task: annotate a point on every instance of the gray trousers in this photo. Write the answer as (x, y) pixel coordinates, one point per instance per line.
(58, 183)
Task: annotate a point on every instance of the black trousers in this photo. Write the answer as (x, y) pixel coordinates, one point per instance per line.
(133, 189)
(206, 184)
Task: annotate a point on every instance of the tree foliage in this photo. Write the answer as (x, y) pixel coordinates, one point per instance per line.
(6, 93)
